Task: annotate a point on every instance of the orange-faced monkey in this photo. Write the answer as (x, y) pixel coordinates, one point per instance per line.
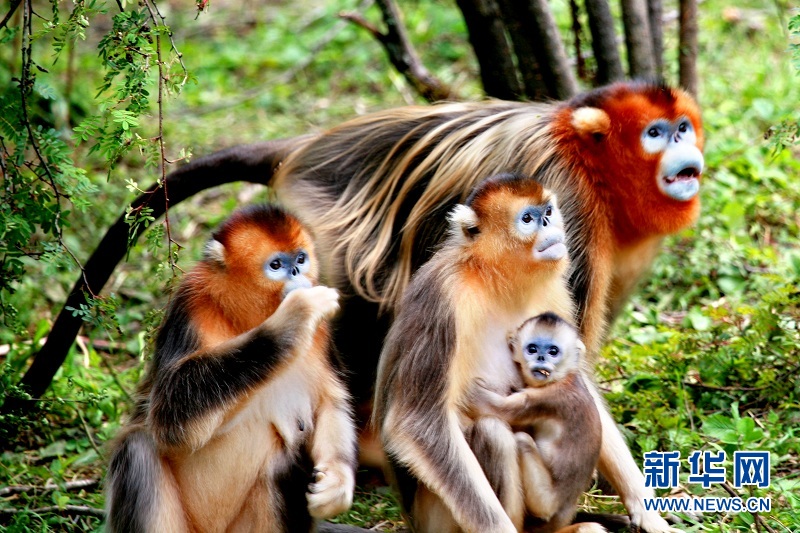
(242, 422)
(555, 419)
(625, 161)
(504, 260)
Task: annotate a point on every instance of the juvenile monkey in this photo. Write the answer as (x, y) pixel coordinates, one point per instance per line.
(557, 423)
(504, 261)
(242, 423)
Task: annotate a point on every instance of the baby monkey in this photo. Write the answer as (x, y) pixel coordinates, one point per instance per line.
(555, 419)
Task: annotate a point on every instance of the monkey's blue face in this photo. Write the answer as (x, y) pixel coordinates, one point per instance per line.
(542, 356)
(545, 223)
(681, 160)
(289, 268)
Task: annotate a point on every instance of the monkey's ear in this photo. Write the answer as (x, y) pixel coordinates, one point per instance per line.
(214, 253)
(591, 122)
(464, 221)
(581, 348)
(512, 341)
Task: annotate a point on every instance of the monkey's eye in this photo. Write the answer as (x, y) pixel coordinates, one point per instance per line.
(552, 351)
(301, 258)
(527, 218)
(549, 211)
(531, 348)
(683, 127)
(653, 132)
(275, 264)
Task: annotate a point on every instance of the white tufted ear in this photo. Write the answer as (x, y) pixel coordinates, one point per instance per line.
(214, 252)
(464, 222)
(591, 121)
(581, 348)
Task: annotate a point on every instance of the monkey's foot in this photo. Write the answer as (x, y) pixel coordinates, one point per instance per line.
(332, 490)
(652, 522)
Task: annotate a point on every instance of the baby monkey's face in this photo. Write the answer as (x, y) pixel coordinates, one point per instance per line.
(547, 349)
(542, 356)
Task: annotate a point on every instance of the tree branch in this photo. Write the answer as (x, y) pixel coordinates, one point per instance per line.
(69, 485)
(13, 9)
(401, 53)
(72, 510)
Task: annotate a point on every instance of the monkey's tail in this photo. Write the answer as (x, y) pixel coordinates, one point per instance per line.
(141, 493)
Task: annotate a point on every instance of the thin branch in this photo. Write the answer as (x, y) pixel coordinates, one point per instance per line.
(89, 434)
(72, 510)
(153, 9)
(724, 389)
(24, 81)
(14, 5)
(78, 484)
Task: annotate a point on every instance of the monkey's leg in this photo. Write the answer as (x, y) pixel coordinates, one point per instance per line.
(142, 493)
(430, 513)
(541, 499)
(333, 450)
(433, 448)
(191, 396)
(495, 447)
(617, 465)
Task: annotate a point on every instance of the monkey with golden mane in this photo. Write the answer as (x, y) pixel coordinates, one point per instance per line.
(625, 161)
(242, 422)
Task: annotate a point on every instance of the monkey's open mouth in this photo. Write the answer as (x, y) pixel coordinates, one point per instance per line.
(685, 174)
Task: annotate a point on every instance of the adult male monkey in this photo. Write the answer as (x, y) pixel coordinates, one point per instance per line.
(624, 160)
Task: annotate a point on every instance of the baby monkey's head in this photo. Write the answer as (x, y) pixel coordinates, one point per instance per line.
(547, 348)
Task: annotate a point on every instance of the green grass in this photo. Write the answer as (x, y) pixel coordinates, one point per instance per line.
(704, 357)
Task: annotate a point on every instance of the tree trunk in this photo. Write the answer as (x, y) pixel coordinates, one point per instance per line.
(545, 41)
(604, 42)
(487, 36)
(535, 89)
(655, 12)
(687, 49)
(637, 39)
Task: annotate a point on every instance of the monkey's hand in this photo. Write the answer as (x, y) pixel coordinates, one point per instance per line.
(300, 313)
(316, 303)
(332, 490)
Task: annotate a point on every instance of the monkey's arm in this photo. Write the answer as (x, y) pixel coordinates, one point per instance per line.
(191, 396)
(517, 409)
(333, 450)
